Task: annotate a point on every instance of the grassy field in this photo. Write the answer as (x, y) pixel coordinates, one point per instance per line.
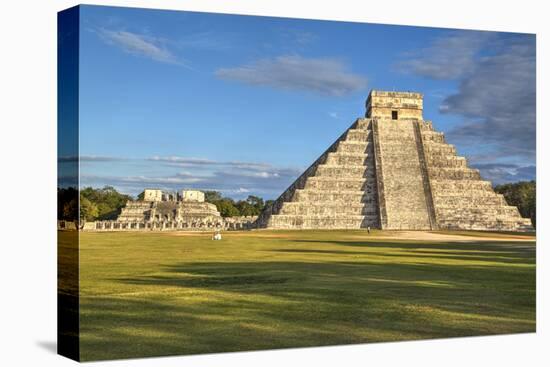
(152, 294)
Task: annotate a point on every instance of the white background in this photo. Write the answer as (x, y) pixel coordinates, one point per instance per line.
(28, 182)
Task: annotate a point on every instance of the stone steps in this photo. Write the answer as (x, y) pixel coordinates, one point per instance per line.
(449, 186)
(447, 193)
(440, 148)
(391, 142)
(362, 124)
(332, 196)
(342, 171)
(399, 165)
(354, 147)
(358, 135)
(399, 161)
(434, 157)
(448, 162)
(485, 198)
(446, 173)
(347, 159)
(481, 212)
(329, 183)
(490, 225)
(430, 136)
(313, 222)
(307, 208)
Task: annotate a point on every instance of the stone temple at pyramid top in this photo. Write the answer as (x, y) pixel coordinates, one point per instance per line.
(394, 105)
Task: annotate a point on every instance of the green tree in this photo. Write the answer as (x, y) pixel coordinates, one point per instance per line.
(245, 208)
(107, 201)
(227, 208)
(88, 209)
(212, 196)
(522, 194)
(253, 205)
(256, 202)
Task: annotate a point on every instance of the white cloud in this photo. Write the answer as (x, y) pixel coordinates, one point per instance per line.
(139, 44)
(448, 57)
(197, 162)
(496, 94)
(498, 100)
(322, 76)
(266, 174)
(499, 173)
(233, 177)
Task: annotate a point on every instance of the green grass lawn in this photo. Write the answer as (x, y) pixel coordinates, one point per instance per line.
(152, 294)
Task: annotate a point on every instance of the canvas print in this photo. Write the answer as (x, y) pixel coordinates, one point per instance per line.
(237, 183)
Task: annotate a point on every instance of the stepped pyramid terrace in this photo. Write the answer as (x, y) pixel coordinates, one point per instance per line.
(159, 206)
(392, 170)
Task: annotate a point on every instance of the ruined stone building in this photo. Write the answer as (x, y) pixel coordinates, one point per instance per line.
(392, 170)
(170, 211)
(186, 209)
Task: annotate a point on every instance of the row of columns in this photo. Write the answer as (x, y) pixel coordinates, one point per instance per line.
(155, 225)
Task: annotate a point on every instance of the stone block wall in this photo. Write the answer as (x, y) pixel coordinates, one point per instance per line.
(381, 104)
(146, 211)
(136, 211)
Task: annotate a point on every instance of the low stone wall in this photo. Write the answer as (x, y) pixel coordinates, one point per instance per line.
(109, 225)
(240, 223)
(219, 224)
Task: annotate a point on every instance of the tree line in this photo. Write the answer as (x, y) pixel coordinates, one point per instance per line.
(106, 203)
(252, 205)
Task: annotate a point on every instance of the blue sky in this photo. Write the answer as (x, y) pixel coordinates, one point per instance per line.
(244, 104)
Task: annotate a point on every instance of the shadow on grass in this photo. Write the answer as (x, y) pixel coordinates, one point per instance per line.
(500, 256)
(206, 307)
(488, 233)
(487, 246)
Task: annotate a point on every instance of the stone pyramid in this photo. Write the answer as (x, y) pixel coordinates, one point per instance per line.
(392, 170)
